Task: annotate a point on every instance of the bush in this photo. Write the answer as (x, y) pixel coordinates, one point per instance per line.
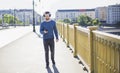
(84, 20)
(96, 22)
(67, 20)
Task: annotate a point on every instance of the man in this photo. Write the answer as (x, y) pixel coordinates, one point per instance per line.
(48, 29)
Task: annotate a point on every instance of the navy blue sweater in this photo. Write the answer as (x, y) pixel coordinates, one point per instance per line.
(51, 28)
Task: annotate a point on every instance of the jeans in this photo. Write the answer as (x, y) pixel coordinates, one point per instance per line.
(49, 44)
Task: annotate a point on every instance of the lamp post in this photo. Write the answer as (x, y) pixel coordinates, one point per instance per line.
(33, 17)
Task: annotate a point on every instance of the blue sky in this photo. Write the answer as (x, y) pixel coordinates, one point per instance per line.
(53, 5)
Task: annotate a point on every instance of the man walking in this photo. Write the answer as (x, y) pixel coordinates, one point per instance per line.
(48, 29)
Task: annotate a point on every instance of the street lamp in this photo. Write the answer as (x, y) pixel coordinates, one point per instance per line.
(33, 17)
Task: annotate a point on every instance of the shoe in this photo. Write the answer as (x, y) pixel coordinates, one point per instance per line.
(47, 66)
(53, 62)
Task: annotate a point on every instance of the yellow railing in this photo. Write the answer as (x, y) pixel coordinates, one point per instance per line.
(71, 37)
(106, 51)
(82, 45)
(98, 51)
(65, 33)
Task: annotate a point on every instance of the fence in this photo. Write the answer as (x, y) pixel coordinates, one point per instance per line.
(106, 51)
(98, 51)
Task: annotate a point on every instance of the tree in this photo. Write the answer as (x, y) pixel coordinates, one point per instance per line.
(0, 21)
(84, 20)
(10, 19)
(20, 23)
(60, 20)
(96, 22)
(73, 21)
(67, 20)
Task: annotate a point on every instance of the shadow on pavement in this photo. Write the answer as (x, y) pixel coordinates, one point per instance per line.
(49, 70)
(55, 69)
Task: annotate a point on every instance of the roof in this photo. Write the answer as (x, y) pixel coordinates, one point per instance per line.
(75, 10)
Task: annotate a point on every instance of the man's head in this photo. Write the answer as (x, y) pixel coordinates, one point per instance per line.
(47, 15)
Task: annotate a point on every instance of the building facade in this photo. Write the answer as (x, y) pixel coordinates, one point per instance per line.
(23, 15)
(113, 14)
(74, 13)
(101, 13)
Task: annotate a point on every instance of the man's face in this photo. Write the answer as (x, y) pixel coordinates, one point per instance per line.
(47, 17)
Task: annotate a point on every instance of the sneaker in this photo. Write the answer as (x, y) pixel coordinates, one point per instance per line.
(53, 62)
(47, 66)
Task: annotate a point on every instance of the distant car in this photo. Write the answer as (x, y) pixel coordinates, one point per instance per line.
(6, 25)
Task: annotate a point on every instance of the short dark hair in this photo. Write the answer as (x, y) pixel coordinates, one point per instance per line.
(47, 12)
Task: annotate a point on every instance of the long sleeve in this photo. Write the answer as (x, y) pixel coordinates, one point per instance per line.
(55, 31)
(41, 29)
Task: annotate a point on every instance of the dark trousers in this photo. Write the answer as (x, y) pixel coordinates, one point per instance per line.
(49, 44)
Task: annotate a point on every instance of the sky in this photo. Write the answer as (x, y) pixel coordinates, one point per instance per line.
(54, 5)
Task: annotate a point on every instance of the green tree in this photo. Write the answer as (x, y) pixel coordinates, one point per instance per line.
(8, 18)
(0, 21)
(73, 21)
(60, 20)
(96, 22)
(20, 23)
(84, 20)
(67, 20)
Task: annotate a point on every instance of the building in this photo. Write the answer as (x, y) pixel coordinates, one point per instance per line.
(74, 13)
(101, 14)
(23, 15)
(2, 12)
(113, 14)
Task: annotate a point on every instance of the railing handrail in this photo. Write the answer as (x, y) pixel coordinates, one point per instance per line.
(82, 29)
(107, 35)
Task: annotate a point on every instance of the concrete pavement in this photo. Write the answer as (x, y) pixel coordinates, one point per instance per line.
(26, 55)
(9, 35)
